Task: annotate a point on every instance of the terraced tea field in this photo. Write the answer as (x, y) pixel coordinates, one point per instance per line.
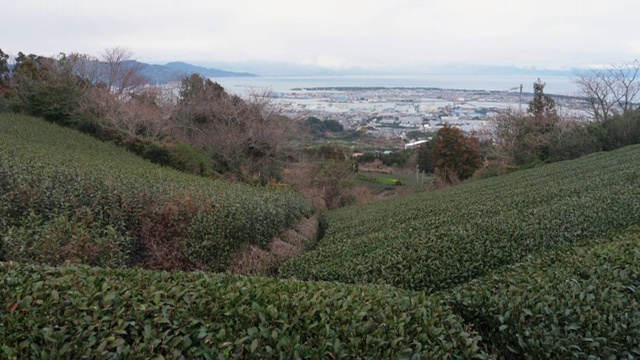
(538, 264)
(436, 240)
(66, 197)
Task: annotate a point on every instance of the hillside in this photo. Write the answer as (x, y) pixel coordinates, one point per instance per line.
(429, 242)
(538, 264)
(138, 314)
(574, 302)
(97, 204)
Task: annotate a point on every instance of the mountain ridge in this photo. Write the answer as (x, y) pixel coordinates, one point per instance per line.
(266, 68)
(204, 71)
(174, 71)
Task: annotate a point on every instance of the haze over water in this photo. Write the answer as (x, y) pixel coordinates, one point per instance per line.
(558, 85)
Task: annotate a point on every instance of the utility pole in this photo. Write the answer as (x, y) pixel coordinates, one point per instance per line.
(520, 97)
(520, 101)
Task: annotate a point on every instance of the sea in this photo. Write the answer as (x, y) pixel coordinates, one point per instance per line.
(556, 85)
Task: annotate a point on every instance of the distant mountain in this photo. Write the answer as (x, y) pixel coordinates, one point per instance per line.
(159, 74)
(472, 69)
(203, 71)
(174, 71)
(266, 68)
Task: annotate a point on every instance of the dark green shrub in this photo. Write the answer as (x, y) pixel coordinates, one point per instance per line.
(578, 303)
(163, 215)
(618, 131)
(5, 104)
(367, 158)
(491, 170)
(436, 240)
(65, 239)
(327, 152)
(190, 160)
(319, 128)
(149, 149)
(80, 312)
(396, 158)
(426, 158)
(573, 142)
(178, 156)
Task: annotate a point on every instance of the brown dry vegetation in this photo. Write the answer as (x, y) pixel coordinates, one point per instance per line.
(162, 234)
(300, 177)
(253, 260)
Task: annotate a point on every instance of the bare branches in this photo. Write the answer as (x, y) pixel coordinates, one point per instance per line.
(610, 91)
(246, 136)
(507, 129)
(118, 96)
(627, 83)
(119, 71)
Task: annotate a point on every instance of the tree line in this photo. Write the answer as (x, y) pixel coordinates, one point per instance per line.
(543, 133)
(194, 126)
(198, 127)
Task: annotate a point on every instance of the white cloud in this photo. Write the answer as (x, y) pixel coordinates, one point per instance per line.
(333, 33)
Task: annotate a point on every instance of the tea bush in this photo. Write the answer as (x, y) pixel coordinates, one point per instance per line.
(572, 303)
(433, 241)
(51, 177)
(82, 312)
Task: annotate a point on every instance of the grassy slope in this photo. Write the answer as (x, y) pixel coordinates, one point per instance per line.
(433, 241)
(74, 311)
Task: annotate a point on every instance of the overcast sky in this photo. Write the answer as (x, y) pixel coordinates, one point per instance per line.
(340, 34)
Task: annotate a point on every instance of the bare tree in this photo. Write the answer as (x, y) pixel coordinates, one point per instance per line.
(508, 129)
(120, 72)
(627, 85)
(246, 136)
(610, 91)
(119, 98)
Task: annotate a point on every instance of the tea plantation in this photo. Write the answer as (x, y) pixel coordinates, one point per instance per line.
(67, 198)
(433, 241)
(570, 303)
(538, 264)
(78, 312)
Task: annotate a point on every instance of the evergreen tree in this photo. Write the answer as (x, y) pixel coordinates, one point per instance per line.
(426, 160)
(543, 109)
(49, 87)
(4, 67)
(456, 155)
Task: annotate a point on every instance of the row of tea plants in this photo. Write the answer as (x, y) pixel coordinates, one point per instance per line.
(579, 302)
(433, 241)
(571, 303)
(67, 198)
(81, 312)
